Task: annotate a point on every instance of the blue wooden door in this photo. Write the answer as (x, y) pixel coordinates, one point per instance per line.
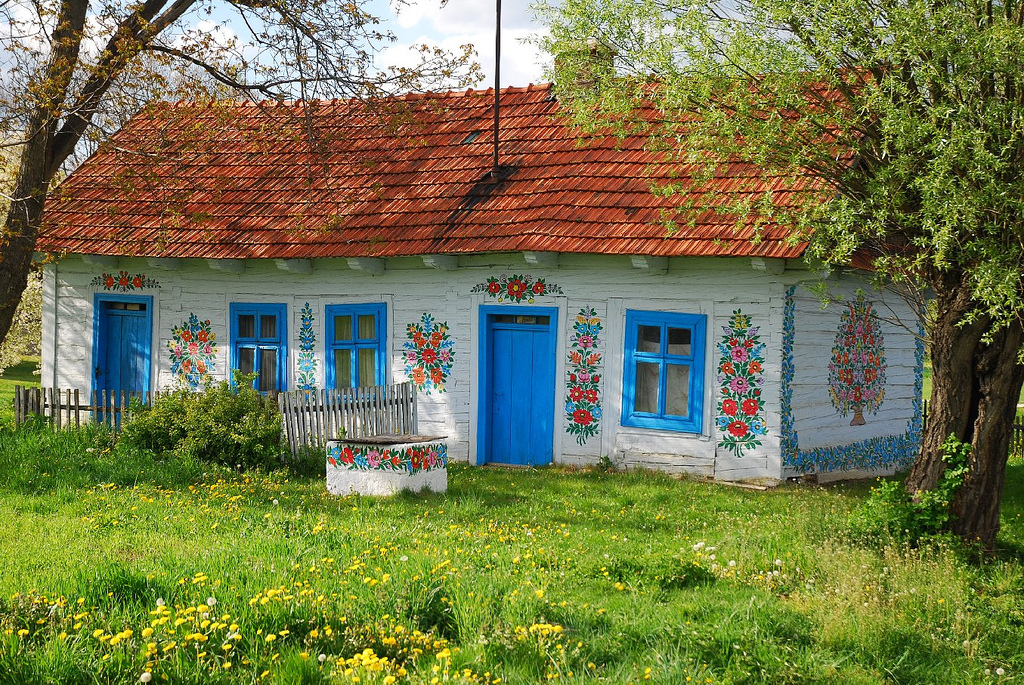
(122, 350)
(519, 399)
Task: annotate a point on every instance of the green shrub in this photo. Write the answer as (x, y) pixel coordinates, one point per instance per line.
(891, 512)
(226, 424)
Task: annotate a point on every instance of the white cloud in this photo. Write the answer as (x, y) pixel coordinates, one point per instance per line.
(469, 21)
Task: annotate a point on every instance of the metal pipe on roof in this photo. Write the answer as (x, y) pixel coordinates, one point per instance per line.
(497, 84)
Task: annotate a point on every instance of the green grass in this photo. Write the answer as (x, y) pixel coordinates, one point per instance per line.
(19, 374)
(519, 575)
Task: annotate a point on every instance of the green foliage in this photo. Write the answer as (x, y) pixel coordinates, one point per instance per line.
(26, 330)
(925, 96)
(230, 424)
(890, 512)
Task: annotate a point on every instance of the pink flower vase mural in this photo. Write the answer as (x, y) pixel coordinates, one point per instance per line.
(856, 374)
(583, 391)
(193, 349)
(740, 377)
(429, 354)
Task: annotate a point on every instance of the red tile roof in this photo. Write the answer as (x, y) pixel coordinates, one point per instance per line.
(242, 181)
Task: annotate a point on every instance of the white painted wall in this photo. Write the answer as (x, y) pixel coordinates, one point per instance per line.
(710, 286)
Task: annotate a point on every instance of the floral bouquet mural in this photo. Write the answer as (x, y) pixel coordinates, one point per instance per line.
(856, 374)
(515, 288)
(193, 349)
(411, 460)
(740, 367)
(583, 391)
(123, 282)
(429, 356)
(307, 356)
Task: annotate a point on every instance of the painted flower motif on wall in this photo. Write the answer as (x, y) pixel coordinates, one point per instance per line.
(429, 354)
(583, 389)
(418, 459)
(123, 282)
(741, 416)
(193, 349)
(856, 374)
(307, 356)
(515, 288)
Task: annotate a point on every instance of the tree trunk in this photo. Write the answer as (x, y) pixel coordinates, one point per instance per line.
(976, 507)
(975, 386)
(22, 226)
(38, 163)
(951, 409)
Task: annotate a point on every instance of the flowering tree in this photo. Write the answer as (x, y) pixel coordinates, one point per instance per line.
(72, 69)
(856, 374)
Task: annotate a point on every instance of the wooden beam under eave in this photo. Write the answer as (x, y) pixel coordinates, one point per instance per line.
(768, 265)
(444, 262)
(295, 266)
(101, 261)
(548, 260)
(228, 266)
(654, 265)
(165, 263)
(371, 265)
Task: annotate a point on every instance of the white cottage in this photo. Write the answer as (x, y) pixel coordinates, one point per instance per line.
(543, 312)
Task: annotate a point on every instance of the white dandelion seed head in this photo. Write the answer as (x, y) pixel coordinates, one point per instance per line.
(160, 602)
(322, 658)
(145, 677)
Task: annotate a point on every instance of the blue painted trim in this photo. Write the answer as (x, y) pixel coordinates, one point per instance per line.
(279, 342)
(379, 310)
(483, 431)
(98, 299)
(697, 323)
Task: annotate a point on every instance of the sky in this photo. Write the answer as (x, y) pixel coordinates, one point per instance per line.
(467, 21)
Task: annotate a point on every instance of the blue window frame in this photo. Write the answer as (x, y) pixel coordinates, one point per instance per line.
(663, 378)
(355, 344)
(259, 343)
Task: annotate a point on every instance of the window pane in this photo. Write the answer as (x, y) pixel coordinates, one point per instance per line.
(247, 326)
(648, 339)
(246, 359)
(367, 367)
(677, 391)
(367, 329)
(343, 328)
(268, 371)
(646, 397)
(343, 368)
(679, 341)
(268, 327)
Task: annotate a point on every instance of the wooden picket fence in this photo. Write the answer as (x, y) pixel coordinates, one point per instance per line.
(309, 418)
(66, 407)
(312, 417)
